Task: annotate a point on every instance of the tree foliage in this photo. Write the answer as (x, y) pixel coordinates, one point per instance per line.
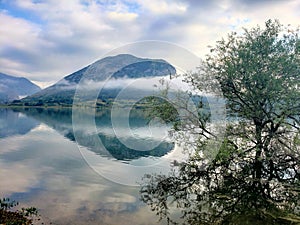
(256, 174)
(18, 217)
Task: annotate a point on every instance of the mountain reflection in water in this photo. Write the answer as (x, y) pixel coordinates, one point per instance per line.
(41, 166)
(15, 123)
(61, 121)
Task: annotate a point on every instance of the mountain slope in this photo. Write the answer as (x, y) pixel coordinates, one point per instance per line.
(123, 66)
(12, 88)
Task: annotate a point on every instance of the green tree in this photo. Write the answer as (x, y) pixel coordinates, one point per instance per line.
(25, 216)
(254, 178)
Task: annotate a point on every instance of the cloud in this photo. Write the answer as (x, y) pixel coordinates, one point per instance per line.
(120, 83)
(68, 32)
(23, 179)
(122, 16)
(20, 43)
(163, 7)
(46, 40)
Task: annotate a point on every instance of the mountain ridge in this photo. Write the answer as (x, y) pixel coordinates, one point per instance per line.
(14, 88)
(116, 67)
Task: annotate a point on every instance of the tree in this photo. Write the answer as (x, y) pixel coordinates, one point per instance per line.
(25, 216)
(256, 174)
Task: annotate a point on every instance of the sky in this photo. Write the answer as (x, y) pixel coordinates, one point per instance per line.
(45, 40)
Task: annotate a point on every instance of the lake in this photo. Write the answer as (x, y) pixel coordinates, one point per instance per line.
(81, 166)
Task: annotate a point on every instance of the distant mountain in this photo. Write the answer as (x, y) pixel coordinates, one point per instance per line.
(123, 66)
(12, 88)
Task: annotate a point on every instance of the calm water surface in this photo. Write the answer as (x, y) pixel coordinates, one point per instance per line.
(72, 179)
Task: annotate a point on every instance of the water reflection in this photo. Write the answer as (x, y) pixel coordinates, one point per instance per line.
(61, 121)
(15, 123)
(44, 168)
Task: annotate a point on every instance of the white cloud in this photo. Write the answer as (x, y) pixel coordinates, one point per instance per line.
(122, 16)
(164, 7)
(23, 179)
(60, 37)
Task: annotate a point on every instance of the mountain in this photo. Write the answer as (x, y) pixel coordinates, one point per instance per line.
(116, 68)
(12, 88)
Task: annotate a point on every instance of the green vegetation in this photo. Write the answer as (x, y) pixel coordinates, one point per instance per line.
(18, 217)
(255, 176)
(116, 67)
